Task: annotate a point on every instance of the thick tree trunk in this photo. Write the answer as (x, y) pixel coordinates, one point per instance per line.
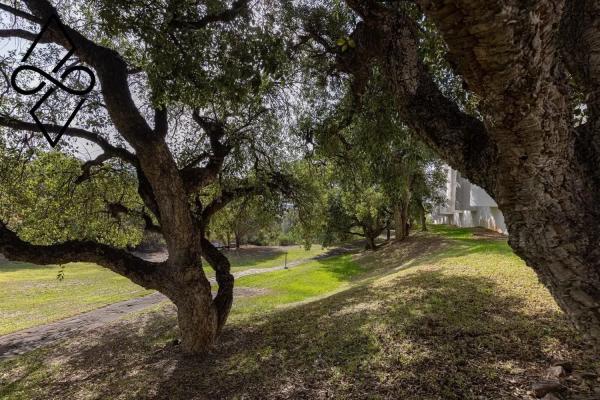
(422, 217)
(401, 220)
(559, 237)
(238, 240)
(201, 317)
(198, 321)
(370, 242)
(525, 151)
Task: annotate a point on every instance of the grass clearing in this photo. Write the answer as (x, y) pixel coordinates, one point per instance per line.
(269, 256)
(446, 315)
(312, 279)
(31, 295)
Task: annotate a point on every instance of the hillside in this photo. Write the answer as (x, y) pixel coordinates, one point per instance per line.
(451, 314)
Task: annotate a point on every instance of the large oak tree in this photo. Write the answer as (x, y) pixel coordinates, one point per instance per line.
(187, 104)
(533, 65)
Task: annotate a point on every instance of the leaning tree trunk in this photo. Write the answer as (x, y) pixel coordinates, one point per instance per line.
(525, 150)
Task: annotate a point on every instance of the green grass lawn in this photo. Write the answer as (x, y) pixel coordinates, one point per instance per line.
(32, 295)
(443, 315)
(266, 257)
(306, 281)
(252, 257)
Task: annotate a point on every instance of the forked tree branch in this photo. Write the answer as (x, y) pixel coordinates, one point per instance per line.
(198, 177)
(227, 15)
(116, 209)
(86, 168)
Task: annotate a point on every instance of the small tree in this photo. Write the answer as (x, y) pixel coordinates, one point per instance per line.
(357, 208)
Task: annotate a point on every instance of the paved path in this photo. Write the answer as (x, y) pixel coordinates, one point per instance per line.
(23, 341)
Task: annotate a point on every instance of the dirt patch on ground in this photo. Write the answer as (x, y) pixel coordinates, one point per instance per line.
(482, 233)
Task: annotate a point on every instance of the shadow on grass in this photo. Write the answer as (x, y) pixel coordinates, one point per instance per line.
(245, 256)
(425, 335)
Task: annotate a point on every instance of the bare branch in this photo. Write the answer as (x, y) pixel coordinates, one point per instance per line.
(108, 148)
(20, 13)
(117, 209)
(227, 15)
(21, 33)
(225, 198)
(87, 167)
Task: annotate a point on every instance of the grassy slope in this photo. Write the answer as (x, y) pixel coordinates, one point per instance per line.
(254, 257)
(31, 295)
(444, 316)
(307, 281)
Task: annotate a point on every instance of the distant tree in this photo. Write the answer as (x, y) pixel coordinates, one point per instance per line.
(244, 218)
(356, 206)
(366, 133)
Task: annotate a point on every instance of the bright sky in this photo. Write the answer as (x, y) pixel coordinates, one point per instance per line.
(84, 149)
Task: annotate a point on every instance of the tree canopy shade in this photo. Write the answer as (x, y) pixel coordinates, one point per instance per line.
(195, 103)
(187, 115)
(532, 68)
(379, 171)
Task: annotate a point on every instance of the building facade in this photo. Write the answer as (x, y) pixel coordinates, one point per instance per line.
(468, 205)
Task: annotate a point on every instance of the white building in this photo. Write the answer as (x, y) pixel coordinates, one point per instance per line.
(468, 205)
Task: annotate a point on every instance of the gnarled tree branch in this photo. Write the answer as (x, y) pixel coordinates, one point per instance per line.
(20, 13)
(86, 168)
(93, 137)
(116, 209)
(227, 15)
(144, 273)
(22, 34)
(390, 39)
(197, 177)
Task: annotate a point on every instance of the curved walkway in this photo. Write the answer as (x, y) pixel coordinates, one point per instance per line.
(26, 340)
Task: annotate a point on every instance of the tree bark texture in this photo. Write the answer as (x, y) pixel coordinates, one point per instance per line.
(401, 220)
(526, 150)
